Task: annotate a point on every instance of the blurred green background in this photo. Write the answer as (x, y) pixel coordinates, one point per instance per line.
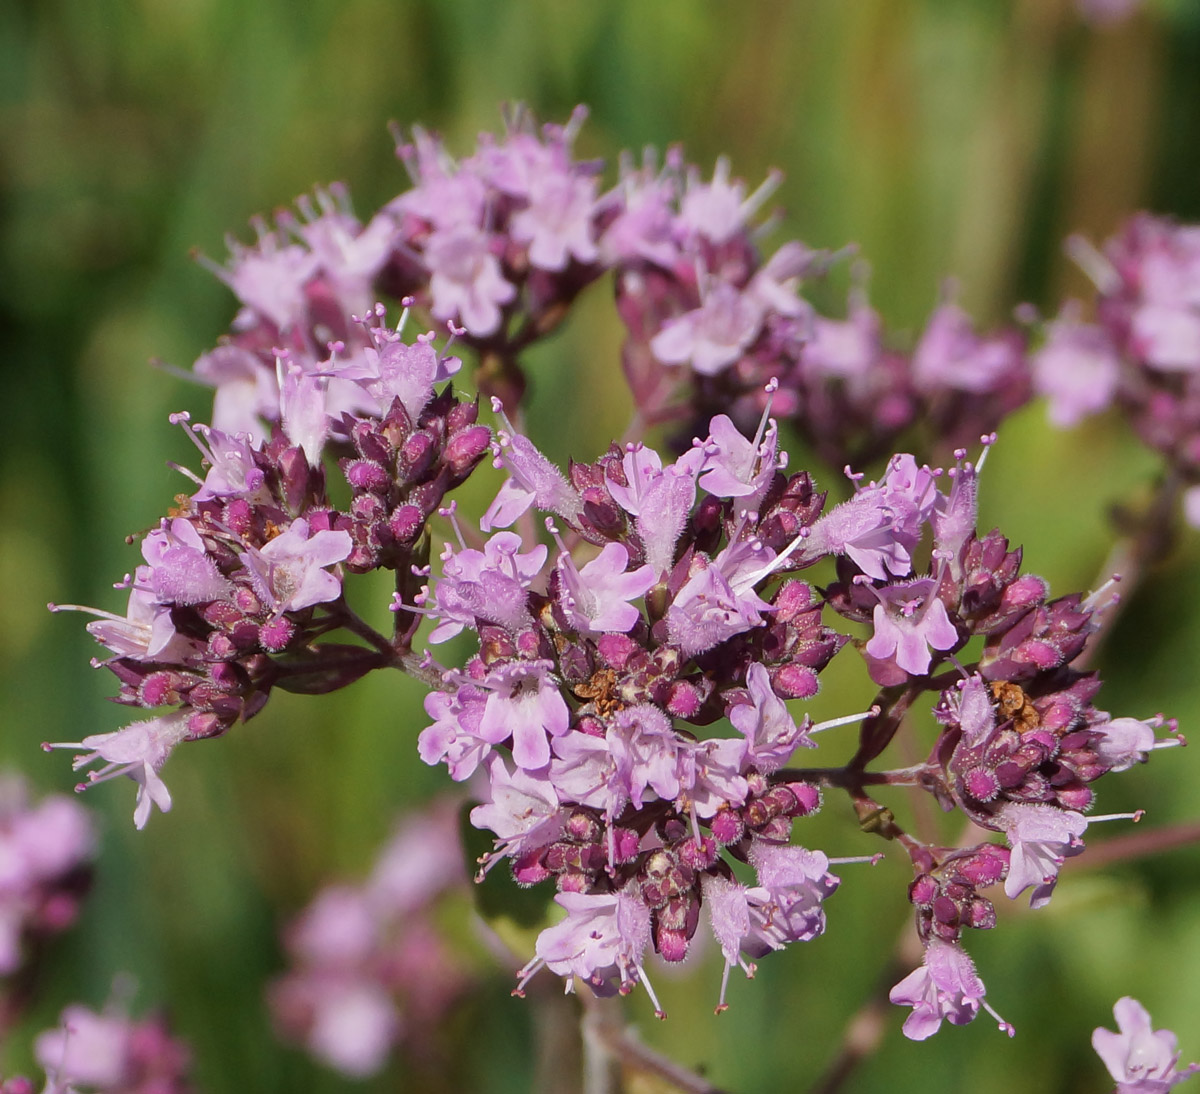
(959, 138)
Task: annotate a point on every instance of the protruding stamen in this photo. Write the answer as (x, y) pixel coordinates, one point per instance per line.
(849, 719)
(1005, 1027)
(870, 860)
(1135, 816)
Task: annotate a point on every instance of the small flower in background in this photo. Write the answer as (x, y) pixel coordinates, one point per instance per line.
(371, 971)
(1140, 1058)
(45, 851)
(111, 1053)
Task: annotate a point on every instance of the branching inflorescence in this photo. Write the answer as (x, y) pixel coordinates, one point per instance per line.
(626, 709)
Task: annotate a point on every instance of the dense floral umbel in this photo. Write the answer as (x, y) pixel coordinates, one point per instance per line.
(371, 969)
(625, 714)
(584, 701)
(245, 576)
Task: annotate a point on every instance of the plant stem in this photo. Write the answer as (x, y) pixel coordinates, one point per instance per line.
(615, 1056)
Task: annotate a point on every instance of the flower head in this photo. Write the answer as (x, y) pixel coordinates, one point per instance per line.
(1141, 1059)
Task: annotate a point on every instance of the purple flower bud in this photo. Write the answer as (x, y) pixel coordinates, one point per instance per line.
(366, 475)
(406, 523)
(465, 448)
(276, 634)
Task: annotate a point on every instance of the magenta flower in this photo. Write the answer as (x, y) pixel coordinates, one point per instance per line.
(951, 355)
(602, 941)
(246, 395)
(523, 810)
(270, 277)
(455, 736)
(232, 469)
(880, 526)
(646, 753)
(771, 733)
(557, 223)
(304, 408)
(596, 596)
(714, 335)
(945, 987)
(139, 751)
(584, 770)
(181, 571)
(845, 349)
(465, 279)
(1077, 369)
(909, 619)
(289, 572)
(1042, 838)
(44, 847)
(708, 609)
(1124, 742)
(110, 1053)
(353, 1022)
(524, 703)
(347, 253)
(735, 467)
(1141, 1059)
(145, 632)
(718, 210)
(490, 585)
(391, 368)
(660, 498)
(533, 480)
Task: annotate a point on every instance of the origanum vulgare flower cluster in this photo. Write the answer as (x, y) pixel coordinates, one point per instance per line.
(628, 717)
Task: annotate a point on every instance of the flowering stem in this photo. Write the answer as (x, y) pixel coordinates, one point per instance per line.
(389, 656)
(851, 778)
(346, 617)
(877, 731)
(610, 1047)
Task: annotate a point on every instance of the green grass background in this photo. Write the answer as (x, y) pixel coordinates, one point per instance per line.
(959, 138)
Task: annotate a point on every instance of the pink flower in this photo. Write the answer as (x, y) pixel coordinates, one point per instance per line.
(289, 572)
(712, 336)
(139, 751)
(1141, 1059)
(1076, 369)
(946, 987)
(465, 279)
(735, 467)
(533, 480)
(1042, 838)
(951, 355)
(596, 595)
(524, 703)
(110, 1053)
(771, 733)
(602, 941)
(909, 619)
